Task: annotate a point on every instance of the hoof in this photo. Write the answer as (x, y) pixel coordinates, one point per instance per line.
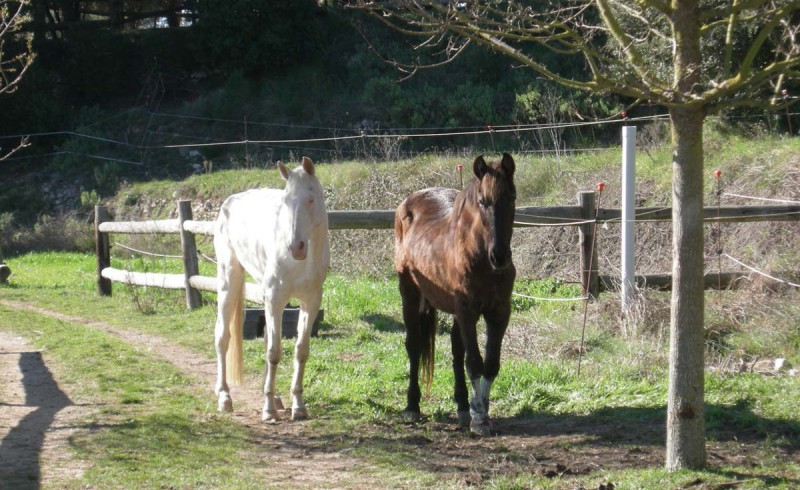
(409, 416)
(481, 427)
(269, 416)
(299, 414)
(225, 404)
(464, 419)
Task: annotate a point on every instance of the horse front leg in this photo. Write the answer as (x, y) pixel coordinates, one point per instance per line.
(308, 314)
(273, 314)
(479, 423)
(496, 324)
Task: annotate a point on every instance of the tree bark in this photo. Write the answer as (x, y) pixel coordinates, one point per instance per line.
(685, 406)
(685, 422)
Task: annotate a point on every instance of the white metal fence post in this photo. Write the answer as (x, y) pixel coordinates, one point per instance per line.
(628, 216)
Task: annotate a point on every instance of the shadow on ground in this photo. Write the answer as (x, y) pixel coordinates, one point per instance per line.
(21, 448)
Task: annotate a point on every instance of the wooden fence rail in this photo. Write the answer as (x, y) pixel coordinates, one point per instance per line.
(584, 216)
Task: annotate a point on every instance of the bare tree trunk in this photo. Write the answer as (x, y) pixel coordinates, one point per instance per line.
(685, 422)
(685, 418)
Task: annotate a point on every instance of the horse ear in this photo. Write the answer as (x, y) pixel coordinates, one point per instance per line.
(283, 170)
(479, 167)
(508, 164)
(308, 166)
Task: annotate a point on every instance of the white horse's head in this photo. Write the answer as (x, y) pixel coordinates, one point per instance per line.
(305, 204)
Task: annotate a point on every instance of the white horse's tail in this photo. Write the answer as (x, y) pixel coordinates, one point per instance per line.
(234, 356)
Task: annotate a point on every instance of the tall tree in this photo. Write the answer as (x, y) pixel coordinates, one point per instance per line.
(663, 51)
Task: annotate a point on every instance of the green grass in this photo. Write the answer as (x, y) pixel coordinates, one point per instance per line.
(152, 421)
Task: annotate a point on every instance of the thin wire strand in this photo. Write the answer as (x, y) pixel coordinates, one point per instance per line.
(539, 127)
(762, 273)
(151, 254)
(538, 298)
(786, 201)
(535, 225)
(206, 257)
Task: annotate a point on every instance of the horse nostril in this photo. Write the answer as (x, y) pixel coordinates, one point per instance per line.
(302, 245)
(497, 259)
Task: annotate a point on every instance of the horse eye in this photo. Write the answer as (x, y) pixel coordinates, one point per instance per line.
(482, 202)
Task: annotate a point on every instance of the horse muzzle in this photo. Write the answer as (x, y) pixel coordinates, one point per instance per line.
(299, 250)
(500, 259)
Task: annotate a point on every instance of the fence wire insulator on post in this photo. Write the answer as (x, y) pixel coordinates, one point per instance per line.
(491, 136)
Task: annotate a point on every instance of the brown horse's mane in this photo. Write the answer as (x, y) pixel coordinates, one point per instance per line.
(468, 195)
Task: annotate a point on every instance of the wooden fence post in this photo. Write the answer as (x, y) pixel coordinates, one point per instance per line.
(5, 271)
(590, 279)
(189, 247)
(102, 249)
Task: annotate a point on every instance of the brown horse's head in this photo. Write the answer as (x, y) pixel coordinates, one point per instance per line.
(495, 197)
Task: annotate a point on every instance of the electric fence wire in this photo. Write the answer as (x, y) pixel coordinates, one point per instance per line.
(756, 198)
(149, 254)
(761, 273)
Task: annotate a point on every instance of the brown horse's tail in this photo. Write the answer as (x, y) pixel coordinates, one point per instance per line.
(427, 330)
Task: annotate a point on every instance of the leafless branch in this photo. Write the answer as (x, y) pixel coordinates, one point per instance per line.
(13, 67)
(23, 143)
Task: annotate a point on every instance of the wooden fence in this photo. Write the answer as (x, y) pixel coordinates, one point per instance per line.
(584, 216)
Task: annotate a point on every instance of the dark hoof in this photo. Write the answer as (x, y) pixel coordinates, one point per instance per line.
(410, 416)
(464, 419)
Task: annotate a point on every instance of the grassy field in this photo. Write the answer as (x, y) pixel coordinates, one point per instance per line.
(155, 426)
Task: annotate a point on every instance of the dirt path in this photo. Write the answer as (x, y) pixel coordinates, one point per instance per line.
(37, 418)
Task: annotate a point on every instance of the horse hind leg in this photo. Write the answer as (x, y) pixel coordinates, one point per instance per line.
(231, 283)
(411, 299)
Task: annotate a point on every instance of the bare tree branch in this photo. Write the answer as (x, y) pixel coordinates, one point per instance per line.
(14, 66)
(23, 143)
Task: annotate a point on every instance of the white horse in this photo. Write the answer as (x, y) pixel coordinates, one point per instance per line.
(280, 237)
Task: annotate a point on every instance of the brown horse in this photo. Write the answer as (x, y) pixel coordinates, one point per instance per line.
(453, 253)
